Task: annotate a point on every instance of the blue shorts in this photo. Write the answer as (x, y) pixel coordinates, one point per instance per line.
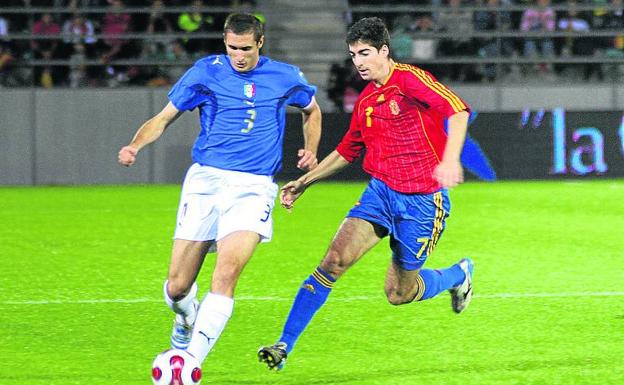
(413, 221)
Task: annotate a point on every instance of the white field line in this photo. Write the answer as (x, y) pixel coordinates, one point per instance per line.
(334, 299)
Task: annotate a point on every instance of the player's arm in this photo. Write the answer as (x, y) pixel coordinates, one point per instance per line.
(151, 130)
(311, 136)
(347, 151)
(423, 86)
(449, 173)
(292, 190)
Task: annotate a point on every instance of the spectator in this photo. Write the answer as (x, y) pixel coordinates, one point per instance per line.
(78, 76)
(154, 76)
(613, 46)
(154, 47)
(19, 22)
(45, 49)
(337, 83)
(578, 46)
(345, 84)
(458, 22)
(493, 20)
(424, 47)
(401, 40)
(12, 75)
(79, 32)
(6, 65)
(158, 22)
(78, 29)
(6, 55)
(606, 18)
(115, 24)
(195, 21)
(4, 30)
(177, 54)
(539, 18)
(174, 59)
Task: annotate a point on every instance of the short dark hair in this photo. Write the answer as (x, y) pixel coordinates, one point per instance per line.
(243, 23)
(369, 30)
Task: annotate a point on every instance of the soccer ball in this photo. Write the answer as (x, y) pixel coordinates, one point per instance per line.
(176, 367)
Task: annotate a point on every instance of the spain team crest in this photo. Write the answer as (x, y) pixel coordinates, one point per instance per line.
(394, 107)
(249, 90)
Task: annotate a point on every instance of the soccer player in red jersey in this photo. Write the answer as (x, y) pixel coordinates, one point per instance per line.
(399, 119)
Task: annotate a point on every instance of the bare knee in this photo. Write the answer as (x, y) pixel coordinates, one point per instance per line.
(334, 263)
(178, 288)
(396, 297)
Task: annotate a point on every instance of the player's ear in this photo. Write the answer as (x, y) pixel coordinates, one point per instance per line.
(384, 50)
(261, 42)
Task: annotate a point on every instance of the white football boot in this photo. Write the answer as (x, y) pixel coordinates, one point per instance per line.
(462, 293)
(183, 328)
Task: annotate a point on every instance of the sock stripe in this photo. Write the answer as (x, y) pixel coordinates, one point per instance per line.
(420, 288)
(322, 279)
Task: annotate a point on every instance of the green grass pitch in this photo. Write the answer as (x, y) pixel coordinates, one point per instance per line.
(81, 273)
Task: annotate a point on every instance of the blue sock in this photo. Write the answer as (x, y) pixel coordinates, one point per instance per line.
(436, 281)
(311, 296)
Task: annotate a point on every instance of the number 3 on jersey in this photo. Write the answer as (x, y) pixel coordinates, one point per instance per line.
(249, 121)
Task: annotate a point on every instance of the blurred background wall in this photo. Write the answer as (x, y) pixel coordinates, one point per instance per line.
(72, 136)
(77, 78)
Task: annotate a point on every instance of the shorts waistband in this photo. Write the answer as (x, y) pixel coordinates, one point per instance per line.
(246, 176)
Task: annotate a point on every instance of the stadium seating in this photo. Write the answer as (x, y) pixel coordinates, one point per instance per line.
(113, 43)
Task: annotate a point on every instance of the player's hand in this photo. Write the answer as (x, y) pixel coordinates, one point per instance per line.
(307, 160)
(449, 174)
(291, 191)
(127, 155)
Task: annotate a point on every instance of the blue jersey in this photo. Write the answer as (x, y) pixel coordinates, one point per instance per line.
(242, 114)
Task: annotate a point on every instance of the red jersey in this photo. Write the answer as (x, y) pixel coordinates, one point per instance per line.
(401, 125)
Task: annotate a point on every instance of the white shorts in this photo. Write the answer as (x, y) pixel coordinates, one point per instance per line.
(216, 202)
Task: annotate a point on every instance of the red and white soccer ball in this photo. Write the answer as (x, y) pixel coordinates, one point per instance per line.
(176, 367)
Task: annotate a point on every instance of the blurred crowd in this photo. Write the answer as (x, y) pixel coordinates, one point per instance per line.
(69, 47)
(427, 39)
(112, 45)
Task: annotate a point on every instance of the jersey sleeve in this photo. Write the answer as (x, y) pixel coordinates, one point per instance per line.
(301, 94)
(189, 91)
(423, 87)
(352, 143)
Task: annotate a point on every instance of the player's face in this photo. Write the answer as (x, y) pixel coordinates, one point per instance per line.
(372, 64)
(243, 50)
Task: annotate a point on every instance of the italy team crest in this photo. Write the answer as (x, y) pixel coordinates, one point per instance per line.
(249, 90)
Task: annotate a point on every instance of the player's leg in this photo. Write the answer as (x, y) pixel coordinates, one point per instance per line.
(353, 239)
(417, 226)
(180, 289)
(186, 261)
(194, 236)
(233, 253)
(404, 286)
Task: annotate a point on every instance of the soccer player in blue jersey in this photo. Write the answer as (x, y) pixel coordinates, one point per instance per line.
(228, 193)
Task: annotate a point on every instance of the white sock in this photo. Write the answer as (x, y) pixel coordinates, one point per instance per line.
(184, 307)
(214, 313)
